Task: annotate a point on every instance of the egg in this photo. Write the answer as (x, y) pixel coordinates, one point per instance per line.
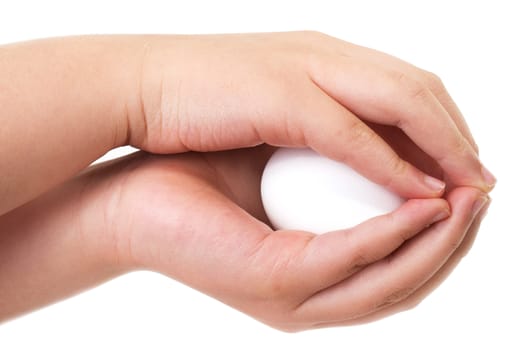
(302, 190)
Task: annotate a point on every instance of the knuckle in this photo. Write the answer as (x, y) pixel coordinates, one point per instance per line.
(433, 81)
(289, 328)
(453, 245)
(288, 324)
(304, 37)
(358, 134)
(398, 166)
(398, 170)
(404, 231)
(396, 296)
(282, 317)
(413, 88)
(418, 91)
(314, 34)
(358, 260)
(362, 134)
(460, 146)
(458, 149)
(411, 303)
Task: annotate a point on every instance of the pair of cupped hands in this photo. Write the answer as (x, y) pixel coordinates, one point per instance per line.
(209, 112)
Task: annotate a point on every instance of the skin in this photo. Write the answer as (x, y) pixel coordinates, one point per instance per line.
(172, 94)
(220, 101)
(198, 218)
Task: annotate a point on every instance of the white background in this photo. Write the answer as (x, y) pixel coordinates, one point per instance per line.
(479, 48)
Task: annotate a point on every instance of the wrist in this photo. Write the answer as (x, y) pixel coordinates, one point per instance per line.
(142, 95)
(109, 68)
(124, 84)
(54, 247)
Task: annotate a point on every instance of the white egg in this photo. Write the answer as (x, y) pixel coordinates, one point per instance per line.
(302, 190)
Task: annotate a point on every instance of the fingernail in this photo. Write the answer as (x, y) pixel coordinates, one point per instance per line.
(444, 214)
(489, 178)
(434, 184)
(479, 204)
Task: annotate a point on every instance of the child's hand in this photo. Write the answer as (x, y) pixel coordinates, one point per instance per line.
(67, 101)
(210, 93)
(198, 218)
(194, 217)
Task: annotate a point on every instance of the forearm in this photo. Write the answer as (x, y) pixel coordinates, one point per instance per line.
(64, 103)
(53, 247)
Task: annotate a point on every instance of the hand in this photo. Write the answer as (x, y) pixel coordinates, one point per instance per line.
(307, 90)
(210, 93)
(198, 218)
(169, 94)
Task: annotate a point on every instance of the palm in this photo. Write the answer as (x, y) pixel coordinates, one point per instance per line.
(198, 217)
(200, 208)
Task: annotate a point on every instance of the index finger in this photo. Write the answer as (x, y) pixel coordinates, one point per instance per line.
(383, 95)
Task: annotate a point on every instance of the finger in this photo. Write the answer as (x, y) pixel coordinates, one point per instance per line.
(407, 150)
(394, 278)
(415, 298)
(335, 256)
(381, 95)
(420, 294)
(429, 79)
(438, 89)
(343, 137)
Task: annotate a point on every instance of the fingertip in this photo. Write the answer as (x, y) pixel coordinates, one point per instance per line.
(469, 193)
(489, 179)
(420, 213)
(467, 170)
(467, 201)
